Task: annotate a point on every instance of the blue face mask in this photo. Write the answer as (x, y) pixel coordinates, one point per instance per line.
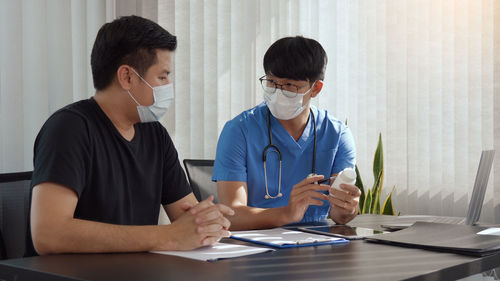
(163, 98)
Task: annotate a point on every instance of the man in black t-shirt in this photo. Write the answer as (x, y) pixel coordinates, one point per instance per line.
(103, 166)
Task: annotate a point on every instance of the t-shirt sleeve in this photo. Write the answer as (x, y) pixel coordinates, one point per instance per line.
(62, 152)
(175, 184)
(346, 152)
(230, 158)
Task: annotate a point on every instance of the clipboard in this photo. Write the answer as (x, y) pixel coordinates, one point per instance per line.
(285, 238)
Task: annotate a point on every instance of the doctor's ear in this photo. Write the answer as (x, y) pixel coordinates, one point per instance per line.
(125, 76)
(318, 85)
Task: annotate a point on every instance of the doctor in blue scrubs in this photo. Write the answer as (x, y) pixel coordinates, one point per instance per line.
(270, 158)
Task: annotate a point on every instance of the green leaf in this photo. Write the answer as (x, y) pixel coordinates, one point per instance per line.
(376, 191)
(388, 209)
(368, 203)
(378, 174)
(378, 160)
(376, 204)
(379, 182)
(359, 184)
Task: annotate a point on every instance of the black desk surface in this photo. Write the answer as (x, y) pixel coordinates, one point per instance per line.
(357, 260)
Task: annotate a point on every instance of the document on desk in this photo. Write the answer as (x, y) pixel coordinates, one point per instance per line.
(285, 238)
(490, 231)
(456, 238)
(216, 252)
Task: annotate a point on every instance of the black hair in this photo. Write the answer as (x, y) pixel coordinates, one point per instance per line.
(128, 40)
(296, 58)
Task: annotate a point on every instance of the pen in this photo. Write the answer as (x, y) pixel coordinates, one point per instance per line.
(324, 180)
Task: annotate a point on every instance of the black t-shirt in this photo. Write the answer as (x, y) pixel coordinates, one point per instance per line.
(117, 181)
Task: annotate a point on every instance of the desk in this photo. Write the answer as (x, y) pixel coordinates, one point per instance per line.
(357, 260)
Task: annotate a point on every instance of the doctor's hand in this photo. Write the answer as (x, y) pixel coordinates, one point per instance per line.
(344, 203)
(303, 194)
(202, 224)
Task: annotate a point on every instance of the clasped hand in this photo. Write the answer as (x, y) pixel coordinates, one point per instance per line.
(202, 224)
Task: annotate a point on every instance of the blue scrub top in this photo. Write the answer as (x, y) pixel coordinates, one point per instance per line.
(243, 139)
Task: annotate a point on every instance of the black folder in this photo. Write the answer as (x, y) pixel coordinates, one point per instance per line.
(455, 238)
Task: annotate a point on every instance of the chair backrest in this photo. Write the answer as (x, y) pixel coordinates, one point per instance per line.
(14, 208)
(3, 254)
(199, 174)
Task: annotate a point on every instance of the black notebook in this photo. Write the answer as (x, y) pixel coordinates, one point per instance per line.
(456, 238)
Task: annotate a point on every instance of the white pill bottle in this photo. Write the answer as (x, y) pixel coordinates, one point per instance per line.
(347, 176)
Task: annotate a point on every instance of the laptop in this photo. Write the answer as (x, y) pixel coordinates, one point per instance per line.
(475, 204)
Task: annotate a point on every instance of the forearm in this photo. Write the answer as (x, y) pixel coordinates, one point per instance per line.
(83, 236)
(246, 217)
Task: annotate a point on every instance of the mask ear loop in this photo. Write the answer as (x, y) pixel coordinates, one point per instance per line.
(141, 78)
(133, 97)
(143, 81)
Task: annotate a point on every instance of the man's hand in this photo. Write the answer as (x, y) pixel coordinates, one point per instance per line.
(344, 203)
(201, 225)
(303, 194)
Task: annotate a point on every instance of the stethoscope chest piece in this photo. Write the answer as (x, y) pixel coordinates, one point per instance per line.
(267, 196)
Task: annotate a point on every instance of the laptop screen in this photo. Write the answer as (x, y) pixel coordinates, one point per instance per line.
(480, 184)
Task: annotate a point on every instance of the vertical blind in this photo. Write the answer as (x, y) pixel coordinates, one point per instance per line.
(425, 74)
(45, 64)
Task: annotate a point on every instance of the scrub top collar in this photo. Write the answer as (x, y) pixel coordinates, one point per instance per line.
(282, 134)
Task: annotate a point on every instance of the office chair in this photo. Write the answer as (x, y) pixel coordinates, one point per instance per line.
(3, 254)
(199, 173)
(14, 207)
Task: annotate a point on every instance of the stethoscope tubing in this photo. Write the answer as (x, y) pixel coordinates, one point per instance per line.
(277, 150)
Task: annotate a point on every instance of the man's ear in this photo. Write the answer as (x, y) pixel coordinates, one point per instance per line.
(318, 85)
(124, 77)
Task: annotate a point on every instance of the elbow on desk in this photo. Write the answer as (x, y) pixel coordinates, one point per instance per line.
(45, 241)
(43, 246)
(42, 249)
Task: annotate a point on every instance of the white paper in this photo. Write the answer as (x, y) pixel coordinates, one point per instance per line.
(281, 236)
(490, 231)
(216, 251)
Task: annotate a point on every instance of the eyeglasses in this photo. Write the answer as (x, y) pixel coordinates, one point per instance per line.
(288, 89)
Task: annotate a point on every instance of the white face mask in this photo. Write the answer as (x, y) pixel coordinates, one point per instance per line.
(163, 98)
(282, 106)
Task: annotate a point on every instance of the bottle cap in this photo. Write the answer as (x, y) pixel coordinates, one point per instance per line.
(348, 174)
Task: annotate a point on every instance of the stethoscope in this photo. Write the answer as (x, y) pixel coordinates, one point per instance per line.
(277, 150)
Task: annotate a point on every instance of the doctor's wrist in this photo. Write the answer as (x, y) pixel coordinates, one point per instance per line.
(286, 215)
